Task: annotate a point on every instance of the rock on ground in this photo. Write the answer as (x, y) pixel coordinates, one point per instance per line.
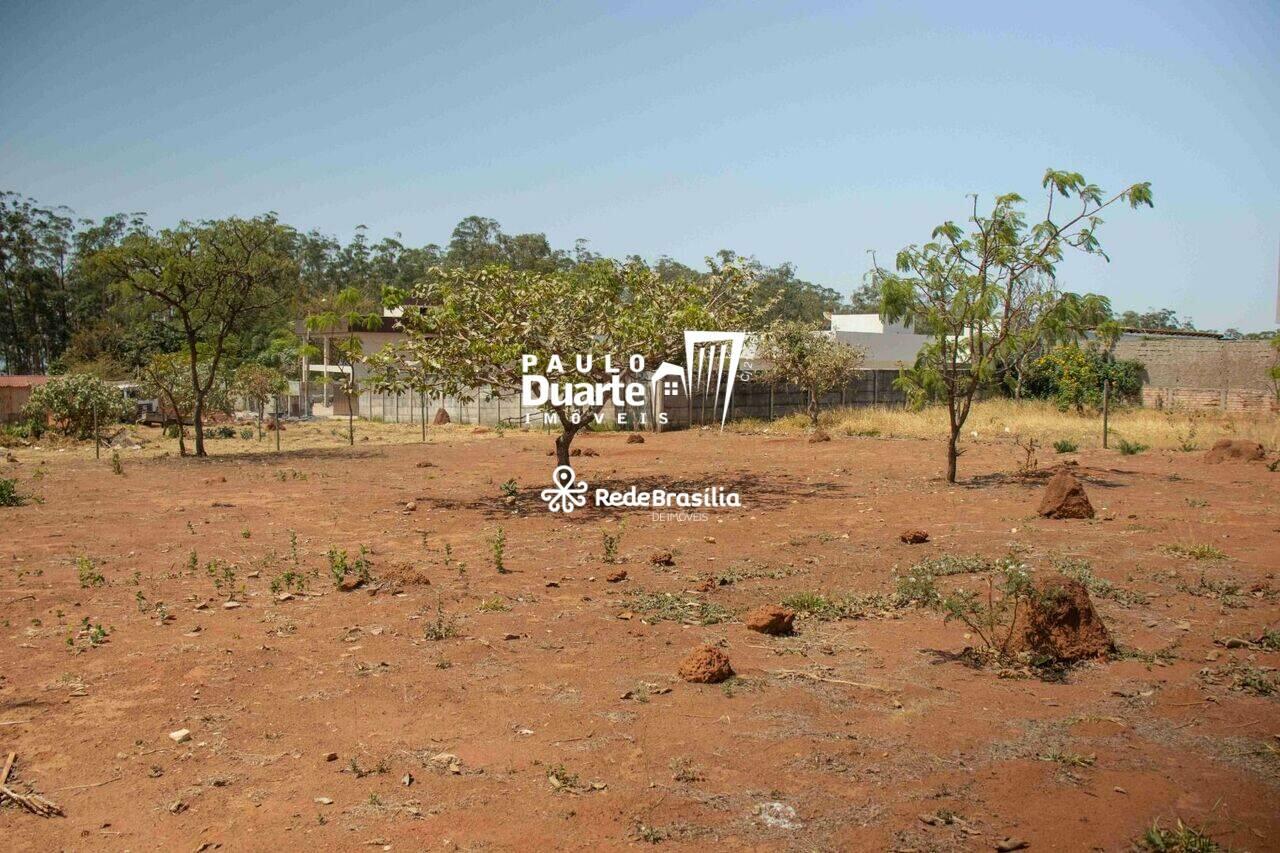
(1235, 450)
(1065, 497)
(1061, 622)
(662, 558)
(819, 436)
(914, 537)
(770, 619)
(635, 438)
(705, 665)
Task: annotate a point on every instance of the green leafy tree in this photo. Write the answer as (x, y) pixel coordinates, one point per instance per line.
(340, 322)
(167, 378)
(214, 278)
(473, 326)
(797, 354)
(967, 289)
(72, 404)
(258, 384)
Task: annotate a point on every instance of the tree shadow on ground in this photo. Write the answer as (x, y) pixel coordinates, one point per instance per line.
(758, 492)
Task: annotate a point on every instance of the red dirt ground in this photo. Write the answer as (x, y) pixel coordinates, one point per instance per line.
(561, 703)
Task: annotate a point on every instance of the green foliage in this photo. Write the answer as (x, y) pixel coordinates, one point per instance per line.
(9, 493)
(509, 489)
(1179, 838)
(795, 354)
(88, 573)
(471, 327)
(340, 565)
(667, 606)
(116, 466)
(1130, 448)
(988, 611)
(979, 294)
(499, 544)
(69, 403)
(1065, 445)
(611, 542)
(1073, 375)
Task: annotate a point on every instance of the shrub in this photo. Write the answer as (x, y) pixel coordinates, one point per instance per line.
(1072, 376)
(990, 613)
(9, 493)
(68, 403)
(1179, 838)
(1065, 445)
(88, 573)
(1130, 448)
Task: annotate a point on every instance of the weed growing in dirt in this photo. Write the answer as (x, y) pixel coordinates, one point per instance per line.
(1178, 838)
(9, 493)
(1270, 640)
(88, 573)
(990, 612)
(510, 489)
(1082, 571)
(1130, 448)
(1068, 759)
(223, 576)
(116, 466)
(340, 565)
(611, 542)
(499, 545)
(1244, 677)
(88, 635)
(441, 628)
(1029, 462)
(493, 605)
(561, 779)
(669, 607)
(288, 581)
(826, 608)
(1226, 591)
(1065, 445)
(1196, 551)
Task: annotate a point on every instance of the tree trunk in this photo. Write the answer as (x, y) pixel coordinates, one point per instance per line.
(563, 440)
(198, 418)
(1106, 408)
(953, 452)
(182, 442)
(351, 423)
(262, 404)
(813, 408)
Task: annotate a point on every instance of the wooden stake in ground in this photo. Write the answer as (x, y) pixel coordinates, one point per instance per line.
(33, 803)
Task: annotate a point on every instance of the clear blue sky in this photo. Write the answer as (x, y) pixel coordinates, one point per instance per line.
(792, 131)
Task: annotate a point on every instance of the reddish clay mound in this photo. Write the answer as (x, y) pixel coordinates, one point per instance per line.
(1065, 497)
(706, 665)
(662, 558)
(635, 438)
(1061, 623)
(442, 417)
(914, 537)
(770, 619)
(1235, 450)
(819, 436)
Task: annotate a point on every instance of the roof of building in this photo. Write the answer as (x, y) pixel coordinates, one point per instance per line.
(1169, 333)
(22, 380)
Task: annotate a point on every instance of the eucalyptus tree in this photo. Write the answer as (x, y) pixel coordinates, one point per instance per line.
(967, 288)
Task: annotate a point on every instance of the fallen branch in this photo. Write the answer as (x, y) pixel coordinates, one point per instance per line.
(33, 803)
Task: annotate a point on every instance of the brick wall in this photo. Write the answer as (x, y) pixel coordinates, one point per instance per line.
(1202, 373)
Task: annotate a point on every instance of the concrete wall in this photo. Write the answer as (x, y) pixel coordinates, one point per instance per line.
(1202, 372)
(750, 400)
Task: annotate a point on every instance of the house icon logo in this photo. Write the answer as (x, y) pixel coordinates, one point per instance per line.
(711, 364)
